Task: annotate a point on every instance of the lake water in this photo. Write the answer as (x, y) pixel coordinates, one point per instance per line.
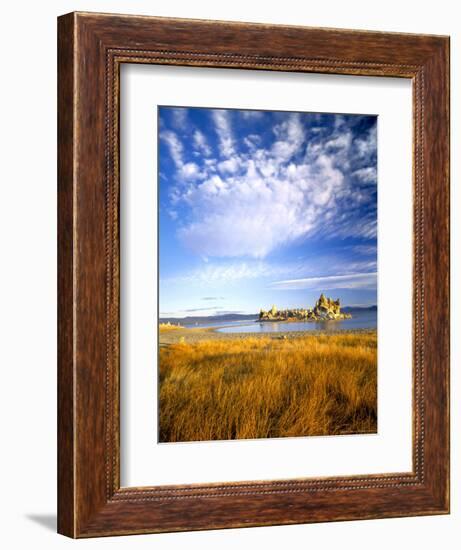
(360, 320)
(216, 324)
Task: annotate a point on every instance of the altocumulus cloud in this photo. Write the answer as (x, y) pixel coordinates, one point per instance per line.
(246, 182)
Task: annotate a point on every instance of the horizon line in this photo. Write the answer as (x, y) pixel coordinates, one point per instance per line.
(239, 312)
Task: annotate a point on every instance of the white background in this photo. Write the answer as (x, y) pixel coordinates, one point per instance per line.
(28, 285)
(144, 87)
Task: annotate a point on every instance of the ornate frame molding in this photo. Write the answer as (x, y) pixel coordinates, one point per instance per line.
(91, 49)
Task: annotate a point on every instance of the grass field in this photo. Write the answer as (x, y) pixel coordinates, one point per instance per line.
(164, 327)
(259, 387)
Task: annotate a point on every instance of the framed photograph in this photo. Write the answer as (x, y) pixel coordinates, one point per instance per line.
(253, 259)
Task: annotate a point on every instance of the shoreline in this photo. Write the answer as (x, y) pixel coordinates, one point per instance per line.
(195, 335)
(296, 320)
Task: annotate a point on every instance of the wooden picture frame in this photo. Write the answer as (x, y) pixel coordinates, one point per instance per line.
(91, 49)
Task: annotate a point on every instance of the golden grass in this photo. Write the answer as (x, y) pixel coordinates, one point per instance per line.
(164, 327)
(262, 387)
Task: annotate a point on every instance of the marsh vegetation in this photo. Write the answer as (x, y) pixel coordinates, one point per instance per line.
(264, 387)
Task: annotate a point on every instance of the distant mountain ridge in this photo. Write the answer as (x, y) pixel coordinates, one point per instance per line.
(209, 318)
(359, 308)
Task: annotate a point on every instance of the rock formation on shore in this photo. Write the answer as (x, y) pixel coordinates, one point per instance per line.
(325, 309)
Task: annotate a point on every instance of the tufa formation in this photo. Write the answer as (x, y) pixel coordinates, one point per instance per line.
(325, 309)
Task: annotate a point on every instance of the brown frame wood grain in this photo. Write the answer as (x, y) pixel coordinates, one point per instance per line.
(91, 48)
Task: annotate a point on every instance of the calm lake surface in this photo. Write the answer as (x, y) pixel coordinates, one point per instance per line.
(360, 320)
(217, 324)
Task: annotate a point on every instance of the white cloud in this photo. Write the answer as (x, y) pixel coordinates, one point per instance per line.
(221, 119)
(216, 274)
(210, 274)
(190, 170)
(364, 249)
(174, 145)
(339, 121)
(201, 143)
(252, 141)
(185, 170)
(352, 281)
(229, 166)
(367, 146)
(179, 115)
(290, 137)
(342, 141)
(251, 215)
(251, 115)
(266, 206)
(251, 201)
(366, 175)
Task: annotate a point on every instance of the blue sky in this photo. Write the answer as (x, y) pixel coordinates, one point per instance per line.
(262, 207)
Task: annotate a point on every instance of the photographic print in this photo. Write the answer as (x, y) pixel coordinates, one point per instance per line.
(267, 287)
